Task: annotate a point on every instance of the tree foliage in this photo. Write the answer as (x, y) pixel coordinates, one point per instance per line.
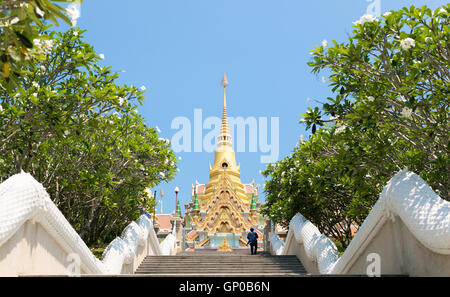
(390, 110)
(19, 33)
(71, 126)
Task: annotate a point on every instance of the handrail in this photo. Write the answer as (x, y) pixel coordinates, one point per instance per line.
(23, 199)
(168, 245)
(122, 250)
(406, 195)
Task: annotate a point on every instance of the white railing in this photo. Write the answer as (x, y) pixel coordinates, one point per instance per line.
(318, 248)
(406, 197)
(276, 245)
(29, 220)
(169, 244)
(126, 252)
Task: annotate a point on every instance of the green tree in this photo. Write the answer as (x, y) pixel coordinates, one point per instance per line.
(389, 111)
(20, 35)
(78, 132)
(393, 74)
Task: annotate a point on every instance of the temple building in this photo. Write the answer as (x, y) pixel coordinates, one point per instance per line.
(221, 212)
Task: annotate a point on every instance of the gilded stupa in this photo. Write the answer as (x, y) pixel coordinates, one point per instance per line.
(225, 208)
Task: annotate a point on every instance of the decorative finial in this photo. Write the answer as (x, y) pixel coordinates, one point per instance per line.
(224, 81)
(224, 136)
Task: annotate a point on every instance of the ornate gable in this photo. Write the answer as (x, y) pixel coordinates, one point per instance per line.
(224, 213)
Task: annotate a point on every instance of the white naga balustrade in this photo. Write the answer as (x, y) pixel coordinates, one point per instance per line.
(169, 244)
(35, 237)
(408, 229)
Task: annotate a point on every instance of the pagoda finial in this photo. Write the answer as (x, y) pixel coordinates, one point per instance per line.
(253, 203)
(196, 206)
(224, 81)
(224, 132)
(178, 211)
(224, 84)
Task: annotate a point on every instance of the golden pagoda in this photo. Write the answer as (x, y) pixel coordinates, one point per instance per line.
(225, 208)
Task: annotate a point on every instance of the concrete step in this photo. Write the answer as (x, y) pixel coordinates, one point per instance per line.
(219, 270)
(230, 258)
(239, 268)
(277, 274)
(224, 255)
(216, 264)
(212, 273)
(219, 261)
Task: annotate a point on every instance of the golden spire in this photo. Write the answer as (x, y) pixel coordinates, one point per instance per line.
(224, 136)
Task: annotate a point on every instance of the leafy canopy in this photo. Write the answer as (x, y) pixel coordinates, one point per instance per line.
(78, 132)
(19, 34)
(390, 110)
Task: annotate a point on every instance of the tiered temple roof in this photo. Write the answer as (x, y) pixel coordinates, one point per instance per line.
(225, 208)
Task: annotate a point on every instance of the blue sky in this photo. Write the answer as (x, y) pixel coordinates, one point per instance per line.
(180, 49)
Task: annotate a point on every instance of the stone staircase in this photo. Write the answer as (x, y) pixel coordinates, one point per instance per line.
(221, 264)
